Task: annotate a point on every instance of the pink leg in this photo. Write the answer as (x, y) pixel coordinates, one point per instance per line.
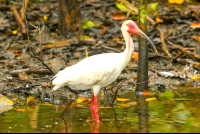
(96, 111)
(92, 107)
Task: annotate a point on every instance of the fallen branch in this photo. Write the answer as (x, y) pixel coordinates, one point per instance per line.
(30, 71)
(19, 19)
(23, 9)
(192, 55)
(163, 42)
(8, 7)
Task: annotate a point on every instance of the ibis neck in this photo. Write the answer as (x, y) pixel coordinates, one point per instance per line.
(128, 52)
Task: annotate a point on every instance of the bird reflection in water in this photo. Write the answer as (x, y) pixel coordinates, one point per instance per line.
(95, 127)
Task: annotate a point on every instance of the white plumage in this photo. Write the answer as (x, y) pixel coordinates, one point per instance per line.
(99, 70)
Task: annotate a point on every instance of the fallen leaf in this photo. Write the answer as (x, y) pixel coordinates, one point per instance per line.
(195, 25)
(14, 99)
(104, 31)
(84, 37)
(30, 99)
(175, 1)
(79, 105)
(87, 24)
(5, 101)
(195, 77)
(122, 99)
(135, 55)
(134, 77)
(150, 99)
(158, 19)
(85, 101)
(80, 100)
(14, 32)
(146, 92)
(18, 52)
(154, 5)
(23, 75)
(86, 53)
(194, 15)
(123, 105)
(20, 110)
(45, 17)
(118, 16)
(122, 7)
(197, 38)
(116, 39)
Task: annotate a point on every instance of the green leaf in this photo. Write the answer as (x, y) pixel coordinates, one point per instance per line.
(122, 7)
(182, 99)
(84, 27)
(84, 37)
(154, 5)
(87, 24)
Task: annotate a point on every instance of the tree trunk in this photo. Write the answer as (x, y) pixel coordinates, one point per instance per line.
(142, 74)
(69, 17)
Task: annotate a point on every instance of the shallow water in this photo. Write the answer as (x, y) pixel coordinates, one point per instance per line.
(172, 111)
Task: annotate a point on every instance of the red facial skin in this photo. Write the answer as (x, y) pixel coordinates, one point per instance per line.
(133, 28)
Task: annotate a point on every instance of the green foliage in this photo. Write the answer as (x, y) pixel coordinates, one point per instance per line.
(143, 13)
(84, 37)
(122, 7)
(154, 5)
(87, 24)
(182, 99)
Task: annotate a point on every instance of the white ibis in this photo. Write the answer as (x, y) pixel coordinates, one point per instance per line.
(99, 70)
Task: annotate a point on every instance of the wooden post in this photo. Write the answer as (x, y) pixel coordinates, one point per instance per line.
(143, 116)
(142, 74)
(69, 17)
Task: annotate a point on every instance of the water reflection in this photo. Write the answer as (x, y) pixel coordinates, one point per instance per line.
(95, 127)
(172, 112)
(143, 117)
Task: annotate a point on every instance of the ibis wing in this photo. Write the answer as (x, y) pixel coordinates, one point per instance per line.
(88, 72)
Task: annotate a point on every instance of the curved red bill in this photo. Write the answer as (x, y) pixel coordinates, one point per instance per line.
(139, 32)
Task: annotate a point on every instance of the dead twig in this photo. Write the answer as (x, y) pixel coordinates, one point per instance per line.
(19, 19)
(40, 32)
(163, 42)
(119, 86)
(129, 12)
(34, 56)
(177, 56)
(64, 59)
(7, 7)
(23, 9)
(192, 55)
